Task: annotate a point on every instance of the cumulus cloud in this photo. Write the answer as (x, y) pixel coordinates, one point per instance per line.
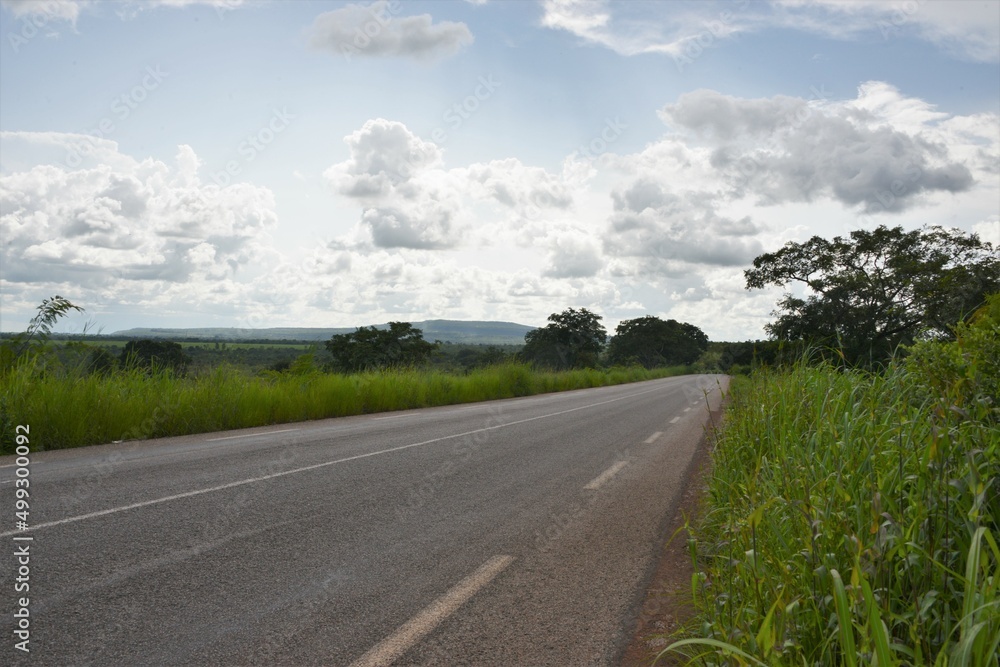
(518, 186)
(397, 177)
(376, 31)
(411, 201)
(665, 228)
(574, 255)
(145, 221)
(784, 149)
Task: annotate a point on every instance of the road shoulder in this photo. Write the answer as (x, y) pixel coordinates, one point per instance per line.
(666, 604)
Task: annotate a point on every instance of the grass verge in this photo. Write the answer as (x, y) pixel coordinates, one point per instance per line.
(67, 410)
(853, 519)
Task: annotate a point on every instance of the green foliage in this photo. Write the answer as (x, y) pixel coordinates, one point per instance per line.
(150, 355)
(853, 517)
(966, 373)
(878, 289)
(652, 342)
(82, 409)
(572, 339)
(371, 348)
(34, 339)
(100, 361)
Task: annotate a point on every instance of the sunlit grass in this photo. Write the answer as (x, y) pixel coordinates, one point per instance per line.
(851, 519)
(71, 410)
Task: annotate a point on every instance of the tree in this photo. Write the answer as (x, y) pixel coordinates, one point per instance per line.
(149, 355)
(878, 289)
(653, 342)
(371, 348)
(572, 339)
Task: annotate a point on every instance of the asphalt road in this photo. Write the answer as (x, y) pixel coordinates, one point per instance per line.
(517, 532)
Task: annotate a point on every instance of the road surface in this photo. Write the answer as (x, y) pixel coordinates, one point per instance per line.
(516, 532)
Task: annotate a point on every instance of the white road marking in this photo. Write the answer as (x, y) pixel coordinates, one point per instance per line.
(315, 466)
(9, 465)
(251, 435)
(687, 409)
(675, 420)
(651, 439)
(387, 651)
(601, 479)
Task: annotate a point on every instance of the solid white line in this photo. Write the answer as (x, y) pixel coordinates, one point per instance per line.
(675, 420)
(651, 439)
(251, 435)
(600, 480)
(315, 466)
(9, 465)
(395, 645)
(9, 481)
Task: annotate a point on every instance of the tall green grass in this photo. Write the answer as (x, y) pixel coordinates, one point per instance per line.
(71, 409)
(852, 519)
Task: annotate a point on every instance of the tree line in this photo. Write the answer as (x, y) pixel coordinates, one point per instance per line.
(574, 338)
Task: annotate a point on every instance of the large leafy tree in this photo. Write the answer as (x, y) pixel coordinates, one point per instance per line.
(372, 348)
(878, 289)
(572, 339)
(653, 342)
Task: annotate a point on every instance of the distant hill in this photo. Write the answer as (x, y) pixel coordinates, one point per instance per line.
(455, 331)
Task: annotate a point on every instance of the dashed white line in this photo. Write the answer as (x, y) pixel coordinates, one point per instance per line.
(601, 479)
(687, 409)
(651, 439)
(675, 420)
(387, 651)
(251, 435)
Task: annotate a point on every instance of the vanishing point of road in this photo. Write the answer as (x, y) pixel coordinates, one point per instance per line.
(513, 532)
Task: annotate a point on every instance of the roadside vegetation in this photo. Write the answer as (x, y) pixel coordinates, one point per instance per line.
(852, 515)
(79, 394)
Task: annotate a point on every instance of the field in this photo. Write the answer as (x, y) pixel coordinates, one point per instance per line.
(77, 409)
(852, 517)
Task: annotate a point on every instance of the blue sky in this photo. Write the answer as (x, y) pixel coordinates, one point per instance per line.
(252, 164)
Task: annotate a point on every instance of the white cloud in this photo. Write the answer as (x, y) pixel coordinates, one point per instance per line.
(966, 29)
(138, 221)
(376, 31)
(411, 201)
(989, 231)
(47, 10)
(70, 10)
(784, 149)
